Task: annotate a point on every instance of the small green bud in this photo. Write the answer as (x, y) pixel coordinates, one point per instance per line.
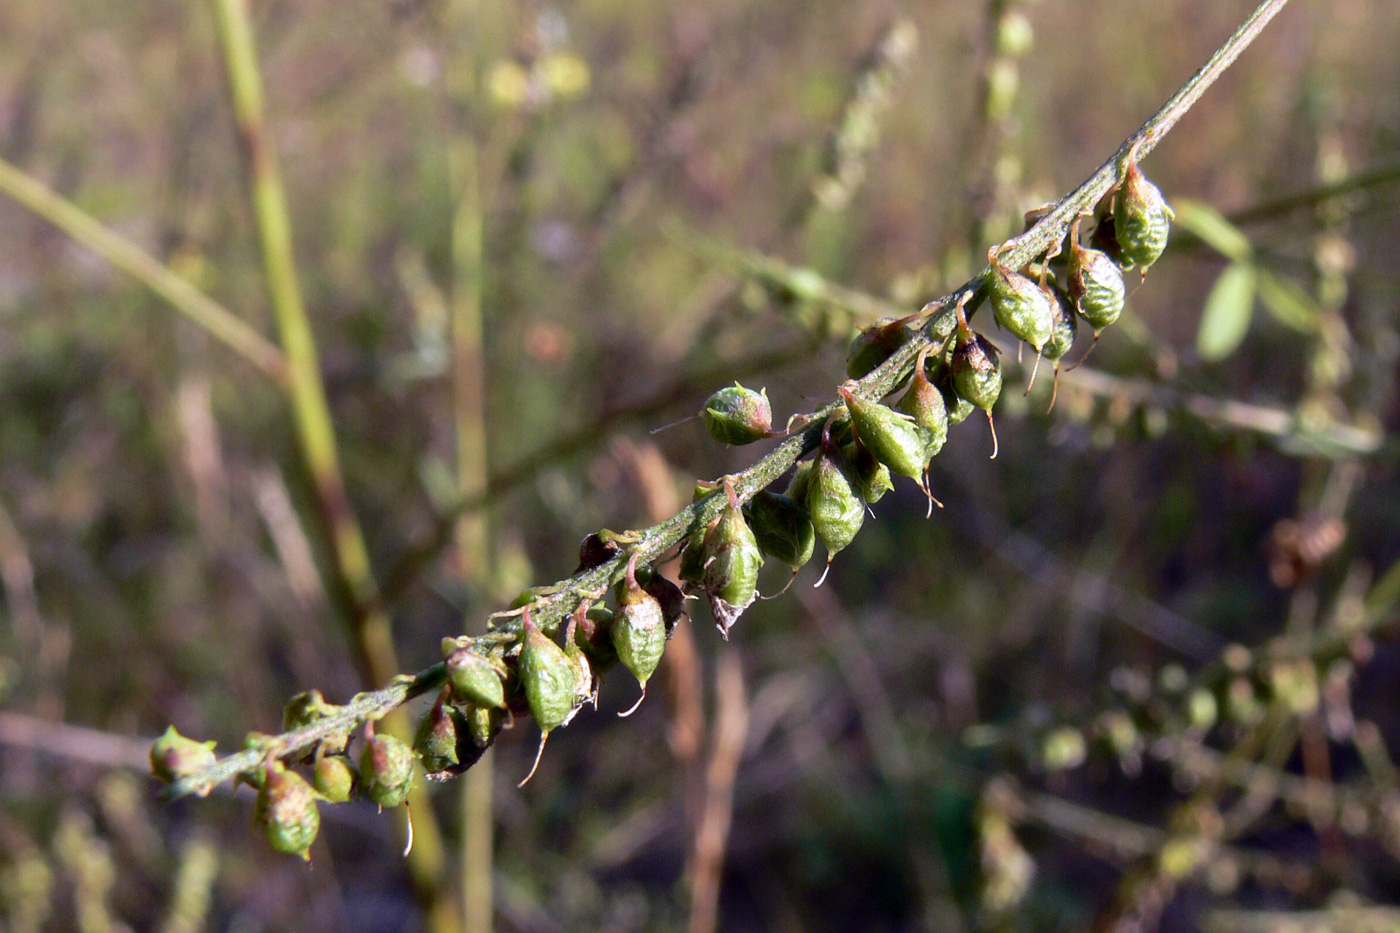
(781, 528)
(548, 676)
(925, 404)
(334, 778)
(286, 810)
(1020, 305)
(737, 415)
(473, 678)
(837, 512)
(173, 756)
(893, 438)
(639, 628)
(386, 770)
(1095, 285)
(875, 344)
(976, 376)
(732, 564)
(1141, 217)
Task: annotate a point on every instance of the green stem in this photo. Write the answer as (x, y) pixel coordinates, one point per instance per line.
(650, 544)
(216, 320)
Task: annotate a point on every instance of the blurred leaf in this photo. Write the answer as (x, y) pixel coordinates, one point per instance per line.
(1211, 227)
(1288, 302)
(1225, 318)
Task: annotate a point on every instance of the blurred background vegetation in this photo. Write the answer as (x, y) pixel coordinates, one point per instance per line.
(1131, 675)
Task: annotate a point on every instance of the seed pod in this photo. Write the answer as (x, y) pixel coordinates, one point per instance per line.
(837, 512)
(871, 477)
(286, 810)
(875, 344)
(439, 733)
(977, 376)
(893, 438)
(386, 770)
(473, 678)
(639, 628)
(736, 415)
(585, 684)
(1020, 305)
(958, 407)
(1141, 217)
(482, 725)
(1095, 284)
(692, 569)
(593, 635)
(174, 756)
(732, 564)
(781, 528)
(1066, 329)
(797, 486)
(547, 676)
(924, 403)
(334, 777)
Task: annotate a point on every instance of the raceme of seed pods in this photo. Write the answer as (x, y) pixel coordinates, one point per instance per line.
(491, 681)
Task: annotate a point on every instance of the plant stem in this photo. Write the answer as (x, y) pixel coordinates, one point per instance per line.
(652, 543)
(213, 318)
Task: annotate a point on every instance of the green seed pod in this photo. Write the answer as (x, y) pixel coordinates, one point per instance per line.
(173, 756)
(797, 486)
(548, 676)
(737, 415)
(894, 438)
(875, 344)
(958, 407)
(439, 734)
(286, 810)
(692, 569)
(836, 510)
(584, 681)
(473, 678)
(1020, 305)
(1066, 329)
(386, 770)
(639, 628)
(871, 477)
(482, 725)
(924, 403)
(781, 528)
(732, 565)
(976, 376)
(593, 635)
(1095, 285)
(1141, 217)
(334, 778)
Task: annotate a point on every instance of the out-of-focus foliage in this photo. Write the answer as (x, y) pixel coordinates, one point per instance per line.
(911, 759)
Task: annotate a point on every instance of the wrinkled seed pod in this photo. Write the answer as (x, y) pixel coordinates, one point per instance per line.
(438, 735)
(875, 344)
(732, 563)
(736, 415)
(1019, 304)
(547, 675)
(976, 376)
(174, 756)
(473, 678)
(1141, 218)
(1096, 285)
(286, 810)
(639, 628)
(1066, 328)
(781, 528)
(837, 512)
(386, 770)
(334, 778)
(872, 478)
(924, 403)
(894, 438)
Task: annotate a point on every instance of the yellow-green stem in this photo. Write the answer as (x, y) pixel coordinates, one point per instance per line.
(216, 320)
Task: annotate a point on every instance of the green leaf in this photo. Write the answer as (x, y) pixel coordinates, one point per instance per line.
(1225, 318)
(1288, 302)
(1211, 227)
